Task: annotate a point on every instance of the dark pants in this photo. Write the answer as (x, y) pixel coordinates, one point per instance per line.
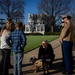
(44, 60)
(4, 65)
(63, 64)
(67, 56)
(48, 63)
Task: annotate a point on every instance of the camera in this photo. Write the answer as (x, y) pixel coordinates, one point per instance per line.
(62, 21)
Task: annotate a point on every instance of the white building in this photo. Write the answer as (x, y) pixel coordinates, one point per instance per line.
(36, 23)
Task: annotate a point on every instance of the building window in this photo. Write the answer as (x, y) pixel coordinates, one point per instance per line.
(27, 28)
(42, 28)
(30, 28)
(38, 28)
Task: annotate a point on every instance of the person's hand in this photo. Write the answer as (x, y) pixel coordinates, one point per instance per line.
(60, 40)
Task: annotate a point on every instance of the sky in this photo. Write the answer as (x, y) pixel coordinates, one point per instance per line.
(31, 6)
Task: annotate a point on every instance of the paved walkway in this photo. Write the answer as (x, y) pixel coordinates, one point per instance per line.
(56, 68)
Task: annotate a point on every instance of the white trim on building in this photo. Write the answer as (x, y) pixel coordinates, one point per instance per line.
(36, 23)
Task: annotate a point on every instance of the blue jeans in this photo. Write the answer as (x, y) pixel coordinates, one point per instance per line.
(67, 56)
(18, 57)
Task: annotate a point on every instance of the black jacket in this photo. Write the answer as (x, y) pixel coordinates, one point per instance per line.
(46, 53)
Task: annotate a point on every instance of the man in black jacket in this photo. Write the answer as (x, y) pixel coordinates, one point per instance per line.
(46, 53)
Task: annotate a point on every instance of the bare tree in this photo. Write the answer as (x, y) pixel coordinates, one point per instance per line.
(53, 8)
(73, 18)
(12, 8)
(73, 12)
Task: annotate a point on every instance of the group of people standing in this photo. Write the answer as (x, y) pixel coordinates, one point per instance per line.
(12, 39)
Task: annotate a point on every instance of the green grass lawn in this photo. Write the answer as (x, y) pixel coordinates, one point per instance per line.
(35, 41)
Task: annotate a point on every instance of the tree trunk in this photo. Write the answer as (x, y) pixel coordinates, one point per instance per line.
(52, 28)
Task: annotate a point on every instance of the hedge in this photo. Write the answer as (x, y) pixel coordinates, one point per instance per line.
(52, 33)
(33, 34)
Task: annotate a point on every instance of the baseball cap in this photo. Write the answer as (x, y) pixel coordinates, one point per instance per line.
(66, 16)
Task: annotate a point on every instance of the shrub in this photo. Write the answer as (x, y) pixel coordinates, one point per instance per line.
(52, 33)
(33, 34)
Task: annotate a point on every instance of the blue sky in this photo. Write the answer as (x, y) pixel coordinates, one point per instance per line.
(31, 6)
